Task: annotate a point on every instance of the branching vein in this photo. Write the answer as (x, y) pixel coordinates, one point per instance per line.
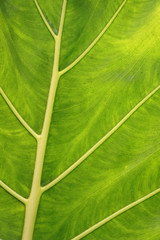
(22, 121)
(45, 20)
(95, 40)
(100, 142)
(13, 193)
(36, 191)
(122, 210)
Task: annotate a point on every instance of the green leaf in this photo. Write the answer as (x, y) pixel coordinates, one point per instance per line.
(79, 120)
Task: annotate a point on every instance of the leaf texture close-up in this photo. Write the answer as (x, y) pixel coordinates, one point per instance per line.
(80, 119)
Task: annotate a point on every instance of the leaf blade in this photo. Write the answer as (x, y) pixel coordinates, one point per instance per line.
(92, 98)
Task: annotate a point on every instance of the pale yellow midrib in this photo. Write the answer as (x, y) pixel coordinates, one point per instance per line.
(78, 162)
(19, 117)
(46, 125)
(35, 195)
(100, 142)
(109, 218)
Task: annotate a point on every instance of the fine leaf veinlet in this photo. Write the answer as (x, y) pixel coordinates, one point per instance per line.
(32, 202)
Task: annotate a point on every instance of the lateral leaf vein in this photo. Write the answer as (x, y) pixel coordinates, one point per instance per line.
(94, 41)
(19, 117)
(100, 142)
(114, 215)
(45, 20)
(13, 193)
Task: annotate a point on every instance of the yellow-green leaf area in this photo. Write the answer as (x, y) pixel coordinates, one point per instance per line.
(79, 120)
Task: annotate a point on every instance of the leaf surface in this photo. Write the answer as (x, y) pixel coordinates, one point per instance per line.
(99, 174)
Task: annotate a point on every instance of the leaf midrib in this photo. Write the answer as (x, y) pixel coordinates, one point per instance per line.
(45, 188)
